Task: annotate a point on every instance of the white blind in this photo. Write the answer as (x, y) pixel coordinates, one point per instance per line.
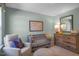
(0, 25)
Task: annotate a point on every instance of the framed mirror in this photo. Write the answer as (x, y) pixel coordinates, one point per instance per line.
(66, 23)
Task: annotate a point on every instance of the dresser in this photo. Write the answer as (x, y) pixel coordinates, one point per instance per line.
(67, 41)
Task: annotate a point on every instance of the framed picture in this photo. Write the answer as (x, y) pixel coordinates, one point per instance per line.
(35, 26)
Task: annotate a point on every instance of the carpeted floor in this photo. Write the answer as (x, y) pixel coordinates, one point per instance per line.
(54, 51)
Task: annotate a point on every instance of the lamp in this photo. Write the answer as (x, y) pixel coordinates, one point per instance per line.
(63, 26)
(57, 27)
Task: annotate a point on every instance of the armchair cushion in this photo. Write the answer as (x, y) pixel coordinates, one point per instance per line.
(25, 51)
(11, 51)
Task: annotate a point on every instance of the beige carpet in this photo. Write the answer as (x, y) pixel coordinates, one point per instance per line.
(54, 51)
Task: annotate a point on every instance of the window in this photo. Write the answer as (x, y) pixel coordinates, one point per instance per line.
(0, 26)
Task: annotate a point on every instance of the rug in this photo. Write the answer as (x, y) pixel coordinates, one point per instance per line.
(54, 51)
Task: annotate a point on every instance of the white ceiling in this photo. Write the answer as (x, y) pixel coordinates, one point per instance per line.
(50, 9)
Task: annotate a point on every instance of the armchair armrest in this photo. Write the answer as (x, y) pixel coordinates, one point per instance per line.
(26, 50)
(11, 51)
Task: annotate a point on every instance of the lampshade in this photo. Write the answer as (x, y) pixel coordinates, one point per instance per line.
(63, 26)
(57, 27)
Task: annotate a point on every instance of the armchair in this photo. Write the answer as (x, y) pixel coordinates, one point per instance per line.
(11, 51)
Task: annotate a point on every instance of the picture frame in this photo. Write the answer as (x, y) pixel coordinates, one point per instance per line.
(35, 26)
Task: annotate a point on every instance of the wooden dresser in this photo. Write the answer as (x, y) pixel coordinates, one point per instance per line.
(67, 41)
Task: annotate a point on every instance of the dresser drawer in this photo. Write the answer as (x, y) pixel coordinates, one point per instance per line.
(59, 38)
(70, 39)
(69, 46)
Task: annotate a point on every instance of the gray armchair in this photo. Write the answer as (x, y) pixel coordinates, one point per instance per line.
(10, 51)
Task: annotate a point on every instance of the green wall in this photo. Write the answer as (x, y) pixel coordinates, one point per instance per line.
(17, 21)
(75, 13)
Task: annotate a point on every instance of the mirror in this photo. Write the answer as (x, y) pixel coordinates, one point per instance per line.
(66, 23)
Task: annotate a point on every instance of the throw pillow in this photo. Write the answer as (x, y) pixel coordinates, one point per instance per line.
(16, 43)
(12, 44)
(20, 44)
